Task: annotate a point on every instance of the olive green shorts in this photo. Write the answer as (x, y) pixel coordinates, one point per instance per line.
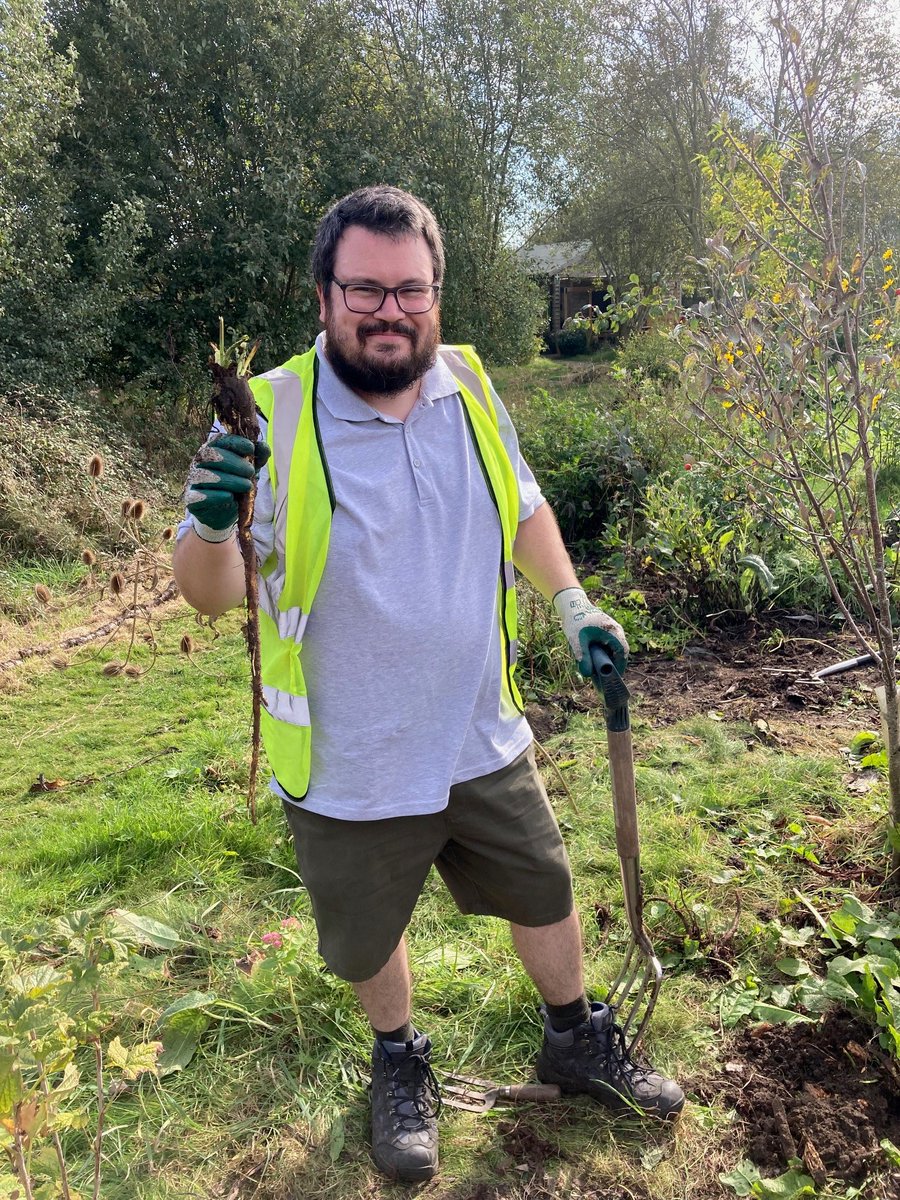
(496, 845)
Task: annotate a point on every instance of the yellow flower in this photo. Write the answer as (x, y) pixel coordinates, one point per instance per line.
(757, 349)
(844, 285)
(875, 400)
(776, 297)
(888, 255)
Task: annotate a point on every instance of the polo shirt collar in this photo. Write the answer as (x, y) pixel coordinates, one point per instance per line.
(344, 404)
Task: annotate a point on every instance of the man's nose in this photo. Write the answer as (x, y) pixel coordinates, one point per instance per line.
(390, 309)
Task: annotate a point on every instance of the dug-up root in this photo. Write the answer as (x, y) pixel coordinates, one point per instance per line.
(93, 635)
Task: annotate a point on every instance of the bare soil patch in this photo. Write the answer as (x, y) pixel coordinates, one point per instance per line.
(740, 675)
(824, 1092)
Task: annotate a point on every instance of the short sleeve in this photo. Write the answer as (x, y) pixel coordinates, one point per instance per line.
(530, 495)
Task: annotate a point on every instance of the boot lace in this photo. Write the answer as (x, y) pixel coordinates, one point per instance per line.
(414, 1091)
(612, 1050)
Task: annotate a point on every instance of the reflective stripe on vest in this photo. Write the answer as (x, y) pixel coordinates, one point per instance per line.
(304, 503)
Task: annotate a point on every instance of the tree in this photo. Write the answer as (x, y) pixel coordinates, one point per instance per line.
(661, 74)
(224, 122)
(488, 95)
(799, 356)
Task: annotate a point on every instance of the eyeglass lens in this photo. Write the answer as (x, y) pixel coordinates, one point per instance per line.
(368, 299)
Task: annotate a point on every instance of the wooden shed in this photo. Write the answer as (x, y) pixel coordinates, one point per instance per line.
(573, 274)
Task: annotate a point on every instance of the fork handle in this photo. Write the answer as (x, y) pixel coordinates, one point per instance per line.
(517, 1092)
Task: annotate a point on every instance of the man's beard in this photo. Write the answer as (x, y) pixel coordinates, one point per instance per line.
(348, 355)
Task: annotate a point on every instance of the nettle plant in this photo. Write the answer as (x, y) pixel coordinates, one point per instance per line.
(60, 1065)
(796, 359)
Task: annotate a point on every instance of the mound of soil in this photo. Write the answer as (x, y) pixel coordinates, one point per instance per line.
(825, 1093)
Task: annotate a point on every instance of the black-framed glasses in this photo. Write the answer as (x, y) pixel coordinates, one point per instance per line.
(411, 297)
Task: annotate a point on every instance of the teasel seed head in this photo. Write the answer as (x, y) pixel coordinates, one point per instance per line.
(113, 668)
(95, 466)
(88, 557)
(43, 593)
(138, 509)
(132, 671)
(188, 646)
(116, 582)
(168, 533)
(126, 508)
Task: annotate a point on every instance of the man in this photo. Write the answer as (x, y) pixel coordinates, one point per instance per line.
(387, 522)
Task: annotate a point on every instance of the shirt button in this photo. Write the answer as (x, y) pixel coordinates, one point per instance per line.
(417, 463)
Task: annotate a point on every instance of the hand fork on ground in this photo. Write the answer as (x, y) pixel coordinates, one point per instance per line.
(641, 975)
(478, 1095)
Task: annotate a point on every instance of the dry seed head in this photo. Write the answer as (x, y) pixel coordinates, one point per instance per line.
(116, 582)
(42, 592)
(168, 533)
(132, 671)
(88, 557)
(187, 644)
(95, 466)
(113, 668)
(126, 508)
(59, 661)
(137, 510)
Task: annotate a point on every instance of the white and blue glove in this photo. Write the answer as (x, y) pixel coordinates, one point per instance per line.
(584, 625)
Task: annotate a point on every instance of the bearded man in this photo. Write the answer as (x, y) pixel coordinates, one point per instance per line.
(392, 507)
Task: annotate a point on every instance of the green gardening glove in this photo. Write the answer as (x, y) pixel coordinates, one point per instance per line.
(583, 624)
(221, 471)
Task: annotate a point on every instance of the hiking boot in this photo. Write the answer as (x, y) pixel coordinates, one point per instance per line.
(593, 1059)
(405, 1105)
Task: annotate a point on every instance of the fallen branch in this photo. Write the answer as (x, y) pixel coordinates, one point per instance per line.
(128, 614)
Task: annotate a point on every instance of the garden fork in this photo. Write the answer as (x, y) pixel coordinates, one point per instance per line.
(640, 957)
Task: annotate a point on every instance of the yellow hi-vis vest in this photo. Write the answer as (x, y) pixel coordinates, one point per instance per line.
(304, 503)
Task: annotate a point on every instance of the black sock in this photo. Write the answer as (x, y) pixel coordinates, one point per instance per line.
(405, 1033)
(568, 1016)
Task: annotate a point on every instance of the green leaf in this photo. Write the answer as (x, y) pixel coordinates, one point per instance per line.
(742, 1178)
(145, 930)
(778, 1016)
(133, 1061)
(11, 1090)
(188, 1001)
(860, 742)
(336, 1138)
(795, 967)
(893, 1154)
(734, 1005)
(726, 539)
(180, 1039)
(764, 576)
(790, 1186)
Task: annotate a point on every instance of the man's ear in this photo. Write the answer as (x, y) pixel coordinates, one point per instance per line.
(320, 292)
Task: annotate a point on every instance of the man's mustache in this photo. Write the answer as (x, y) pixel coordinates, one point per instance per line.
(370, 327)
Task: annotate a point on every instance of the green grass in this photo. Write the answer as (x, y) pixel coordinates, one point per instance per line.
(151, 818)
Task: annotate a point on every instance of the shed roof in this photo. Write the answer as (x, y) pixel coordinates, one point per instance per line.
(564, 258)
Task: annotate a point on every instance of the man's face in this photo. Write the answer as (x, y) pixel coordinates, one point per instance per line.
(385, 352)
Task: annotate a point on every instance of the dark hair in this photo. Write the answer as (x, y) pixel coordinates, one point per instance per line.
(381, 209)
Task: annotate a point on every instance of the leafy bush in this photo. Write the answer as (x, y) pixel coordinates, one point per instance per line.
(585, 463)
(492, 304)
(648, 355)
(705, 540)
(570, 342)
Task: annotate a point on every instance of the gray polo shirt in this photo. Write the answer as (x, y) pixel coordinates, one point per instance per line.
(402, 651)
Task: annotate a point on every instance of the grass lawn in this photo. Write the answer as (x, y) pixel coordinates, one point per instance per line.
(127, 793)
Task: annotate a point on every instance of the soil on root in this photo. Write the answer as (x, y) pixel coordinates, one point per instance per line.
(825, 1093)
